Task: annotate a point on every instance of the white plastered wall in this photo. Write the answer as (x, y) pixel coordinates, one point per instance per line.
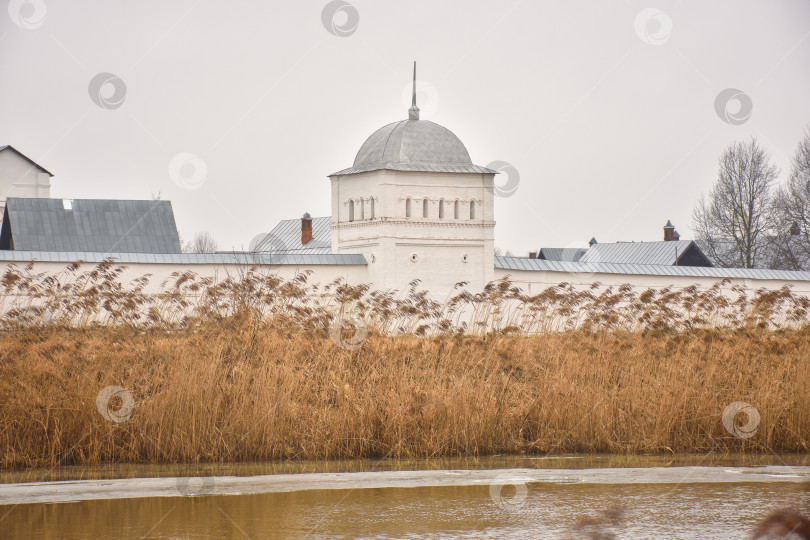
(21, 178)
(322, 274)
(440, 251)
(534, 282)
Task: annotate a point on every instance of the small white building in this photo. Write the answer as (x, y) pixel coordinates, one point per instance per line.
(20, 176)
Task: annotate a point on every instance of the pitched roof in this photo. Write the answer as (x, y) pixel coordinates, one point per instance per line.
(37, 165)
(286, 238)
(89, 225)
(772, 252)
(561, 254)
(587, 269)
(794, 252)
(658, 253)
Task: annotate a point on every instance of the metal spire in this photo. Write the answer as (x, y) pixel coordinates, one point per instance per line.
(413, 112)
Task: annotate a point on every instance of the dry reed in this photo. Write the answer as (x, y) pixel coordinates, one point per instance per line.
(245, 369)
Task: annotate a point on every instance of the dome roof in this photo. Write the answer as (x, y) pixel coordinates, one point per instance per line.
(413, 141)
(414, 145)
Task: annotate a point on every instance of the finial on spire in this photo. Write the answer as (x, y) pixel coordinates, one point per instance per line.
(413, 112)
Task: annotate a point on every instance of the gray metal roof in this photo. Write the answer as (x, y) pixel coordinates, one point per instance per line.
(793, 251)
(520, 263)
(660, 253)
(300, 259)
(286, 238)
(414, 145)
(561, 254)
(37, 165)
(93, 225)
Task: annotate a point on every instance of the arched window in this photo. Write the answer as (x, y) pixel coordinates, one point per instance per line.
(441, 209)
(408, 207)
(456, 209)
(371, 208)
(362, 209)
(351, 210)
(472, 209)
(425, 208)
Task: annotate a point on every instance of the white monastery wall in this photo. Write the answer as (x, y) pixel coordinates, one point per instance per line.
(322, 274)
(533, 282)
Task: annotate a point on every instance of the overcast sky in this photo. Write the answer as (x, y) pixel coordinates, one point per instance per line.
(606, 109)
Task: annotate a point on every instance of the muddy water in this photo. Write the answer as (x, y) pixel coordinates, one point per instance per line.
(692, 508)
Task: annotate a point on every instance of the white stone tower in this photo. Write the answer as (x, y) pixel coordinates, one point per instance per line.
(415, 205)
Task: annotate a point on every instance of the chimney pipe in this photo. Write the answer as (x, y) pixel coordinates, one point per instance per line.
(532, 254)
(669, 232)
(306, 229)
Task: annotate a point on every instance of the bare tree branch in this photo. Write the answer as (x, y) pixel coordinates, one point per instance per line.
(203, 243)
(734, 224)
(792, 208)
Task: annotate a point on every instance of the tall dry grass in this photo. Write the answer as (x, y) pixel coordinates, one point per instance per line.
(242, 390)
(247, 370)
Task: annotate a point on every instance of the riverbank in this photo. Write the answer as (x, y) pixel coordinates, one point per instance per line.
(242, 390)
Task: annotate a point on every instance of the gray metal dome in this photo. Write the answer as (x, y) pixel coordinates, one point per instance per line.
(417, 141)
(414, 145)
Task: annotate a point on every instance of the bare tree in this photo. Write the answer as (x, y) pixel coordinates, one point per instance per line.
(185, 247)
(792, 210)
(203, 243)
(734, 223)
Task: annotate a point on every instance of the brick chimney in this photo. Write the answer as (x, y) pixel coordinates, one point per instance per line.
(306, 228)
(795, 230)
(669, 232)
(532, 254)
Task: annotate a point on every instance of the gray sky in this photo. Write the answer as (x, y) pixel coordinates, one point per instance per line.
(610, 122)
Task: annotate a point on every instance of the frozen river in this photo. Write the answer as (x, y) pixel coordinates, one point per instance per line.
(682, 497)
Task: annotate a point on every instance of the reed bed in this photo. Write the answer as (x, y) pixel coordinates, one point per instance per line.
(75, 298)
(247, 369)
